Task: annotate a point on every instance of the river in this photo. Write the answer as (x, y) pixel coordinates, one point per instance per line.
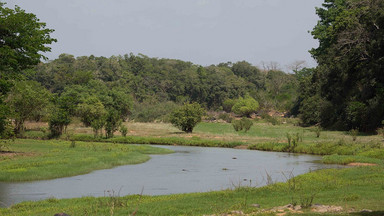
(189, 169)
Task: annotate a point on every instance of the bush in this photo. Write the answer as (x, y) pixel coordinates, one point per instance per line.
(123, 130)
(226, 117)
(354, 133)
(270, 119)
(317, 131)
(58, 122)
(380, 131)
(243, 124)
(112, 122)
(187, 117)
(245, 106)
(149, 111)
(228, 104)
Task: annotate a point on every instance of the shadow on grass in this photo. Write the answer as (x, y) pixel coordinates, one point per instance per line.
(374, 213)
(179, 132)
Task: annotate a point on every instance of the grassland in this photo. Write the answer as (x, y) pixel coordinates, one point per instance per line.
(37, 159)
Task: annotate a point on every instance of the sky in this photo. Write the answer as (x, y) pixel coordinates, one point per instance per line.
(203, 32)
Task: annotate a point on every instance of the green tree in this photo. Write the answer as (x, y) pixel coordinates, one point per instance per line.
(58, 121)
(25, 99)
(112, 122)
(350, 63)
(245, 106)
(92, 114)
(23, 38)
(187, 117)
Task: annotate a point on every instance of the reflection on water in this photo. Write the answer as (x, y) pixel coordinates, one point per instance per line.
(189, 169)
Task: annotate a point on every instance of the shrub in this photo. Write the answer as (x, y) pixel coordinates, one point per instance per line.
(293, 141)
(149, 111)
(354, 133)
(228, 104)
(112, 122)
(226, 117)
(317, 131)
(270, 119)
(58, 122)
(123, 130)
(243, 124)
(237, 125)
(245, 106)
(187, 117)
(380, 131)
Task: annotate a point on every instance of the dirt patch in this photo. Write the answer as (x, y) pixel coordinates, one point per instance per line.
(241, 147)
(11, 154)
(361, 164)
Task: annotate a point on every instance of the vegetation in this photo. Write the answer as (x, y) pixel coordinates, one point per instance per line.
(187, 117)
(37, 159)
(345, 91)
(245, 106)
(242, 124)
(23, 40)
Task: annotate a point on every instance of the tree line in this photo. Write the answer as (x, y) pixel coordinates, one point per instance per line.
(345, 91)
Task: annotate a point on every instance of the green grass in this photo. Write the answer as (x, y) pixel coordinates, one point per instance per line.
(39, 159)
(193, 141)
(352, 188)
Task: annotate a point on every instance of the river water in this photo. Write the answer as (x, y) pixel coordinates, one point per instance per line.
(189, 169)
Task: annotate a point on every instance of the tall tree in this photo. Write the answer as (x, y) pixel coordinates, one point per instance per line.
(350, 60)
(24, 99)
(23, 39)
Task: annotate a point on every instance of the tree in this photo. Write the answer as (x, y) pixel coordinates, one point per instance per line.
(23, 38)
(24, 99)
(92, 114)
(350, 61)
(112, 122)
(58, 121)
(187, 117)
(245, 106)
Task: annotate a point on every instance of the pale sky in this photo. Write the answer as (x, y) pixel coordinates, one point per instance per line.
(204, 32)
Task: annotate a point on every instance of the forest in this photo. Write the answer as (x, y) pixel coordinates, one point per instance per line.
(345, 91)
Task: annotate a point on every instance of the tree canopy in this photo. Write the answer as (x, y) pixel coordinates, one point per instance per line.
(23, 38)
(348, 84)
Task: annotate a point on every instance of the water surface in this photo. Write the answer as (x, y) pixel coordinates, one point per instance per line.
(189, 169)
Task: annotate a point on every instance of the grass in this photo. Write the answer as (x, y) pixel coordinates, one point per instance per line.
(262, 136)
(352, 188)
(37, 159)
(260, 132)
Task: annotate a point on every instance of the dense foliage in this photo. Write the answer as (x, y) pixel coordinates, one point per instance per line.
(245, 106)
(346, 91)
(187, 117)
(23, 38)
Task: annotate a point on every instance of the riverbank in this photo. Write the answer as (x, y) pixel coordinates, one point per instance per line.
(353, 189)
(29, 160)
(340, 147)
